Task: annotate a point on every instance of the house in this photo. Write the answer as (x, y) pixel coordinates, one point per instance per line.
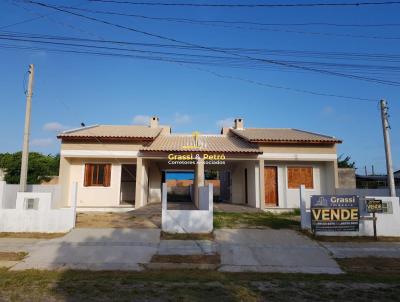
(121, 167)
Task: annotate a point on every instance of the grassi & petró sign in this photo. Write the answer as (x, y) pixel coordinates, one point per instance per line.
(335, 213)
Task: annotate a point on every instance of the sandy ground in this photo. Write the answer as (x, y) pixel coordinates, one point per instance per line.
(145, 217)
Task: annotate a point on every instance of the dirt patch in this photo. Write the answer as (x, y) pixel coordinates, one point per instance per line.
(198, 259)
(12, 256)
(370, 265)
(116, 220)
(349, 238)
(178, 236)
(32, 235)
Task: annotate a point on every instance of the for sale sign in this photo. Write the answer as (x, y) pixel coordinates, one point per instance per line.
(335, 213)
(374, 206)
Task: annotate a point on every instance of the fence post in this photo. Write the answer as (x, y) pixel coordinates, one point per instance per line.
(74, 197)
(164, 193)
(305, 224)
(210, 197)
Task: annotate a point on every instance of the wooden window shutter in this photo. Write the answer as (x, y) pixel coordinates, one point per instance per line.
(107, 175)
(88, 175)
(300, 176)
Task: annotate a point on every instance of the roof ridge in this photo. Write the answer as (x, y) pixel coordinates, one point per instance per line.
(315, 133)
(80, 129)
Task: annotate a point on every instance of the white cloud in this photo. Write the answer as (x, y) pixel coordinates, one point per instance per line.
(182, 118)
(227, 122)
(54, 126)
(328, 110)
(141, 119)
(42, 142)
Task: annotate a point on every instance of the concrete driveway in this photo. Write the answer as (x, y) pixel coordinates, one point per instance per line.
(272, 251)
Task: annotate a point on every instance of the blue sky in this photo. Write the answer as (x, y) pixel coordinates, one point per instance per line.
(74, 88)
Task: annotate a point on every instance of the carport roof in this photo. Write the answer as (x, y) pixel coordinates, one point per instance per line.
(283, 135)
(206, 143)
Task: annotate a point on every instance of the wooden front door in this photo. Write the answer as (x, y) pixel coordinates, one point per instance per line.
(271, 186)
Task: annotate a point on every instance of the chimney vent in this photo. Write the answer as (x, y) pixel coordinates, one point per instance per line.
(154, 122)
(239, 124)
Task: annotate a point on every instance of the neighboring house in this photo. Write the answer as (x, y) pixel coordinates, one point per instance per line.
(119, 167)
(376, 181)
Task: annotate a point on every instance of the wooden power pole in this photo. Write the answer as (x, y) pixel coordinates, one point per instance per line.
(389, 163)
(25, 148)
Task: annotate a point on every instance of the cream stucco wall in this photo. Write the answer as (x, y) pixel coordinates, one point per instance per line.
(298, 148)
(93, 196)
(323, 177)
(253, 183)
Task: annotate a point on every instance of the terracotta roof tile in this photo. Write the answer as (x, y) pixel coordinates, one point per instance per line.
(207, 143)
(283, 135)
(112, 131)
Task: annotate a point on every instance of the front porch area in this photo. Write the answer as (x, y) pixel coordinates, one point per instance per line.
(149, 216)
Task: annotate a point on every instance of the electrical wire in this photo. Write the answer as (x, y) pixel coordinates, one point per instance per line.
(224, 24)
(248, 5)
(268, 61)
(185, 64)
(199, 58)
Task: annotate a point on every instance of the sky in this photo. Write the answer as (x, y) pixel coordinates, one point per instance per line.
(71, 88)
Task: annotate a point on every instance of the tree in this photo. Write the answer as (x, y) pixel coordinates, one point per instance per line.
(345, 162)
(40, 167)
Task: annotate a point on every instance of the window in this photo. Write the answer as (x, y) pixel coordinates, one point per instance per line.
(97, 175)
(300, 176)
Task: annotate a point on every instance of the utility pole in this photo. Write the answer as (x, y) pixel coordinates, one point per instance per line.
(25, 148)
(389, 163)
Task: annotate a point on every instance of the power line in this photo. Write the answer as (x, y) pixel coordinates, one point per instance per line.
(384, 57)
(231, 24)
(200, 58)
(234, 22)
(21, 22)
(268, 61)
(182, 63)
(247, 5)
(282, 87)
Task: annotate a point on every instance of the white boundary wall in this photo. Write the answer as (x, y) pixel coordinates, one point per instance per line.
(42, 218)
(387, 224)
(189, 221)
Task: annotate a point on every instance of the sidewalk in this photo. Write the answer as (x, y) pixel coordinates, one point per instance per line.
(270, 250)
(241, 250)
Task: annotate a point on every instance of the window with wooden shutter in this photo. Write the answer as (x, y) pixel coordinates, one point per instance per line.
(300, 176)
(97, 175)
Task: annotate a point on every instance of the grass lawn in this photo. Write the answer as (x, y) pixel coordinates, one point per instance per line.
(191, 285)
(256, 220)
(32, 235)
